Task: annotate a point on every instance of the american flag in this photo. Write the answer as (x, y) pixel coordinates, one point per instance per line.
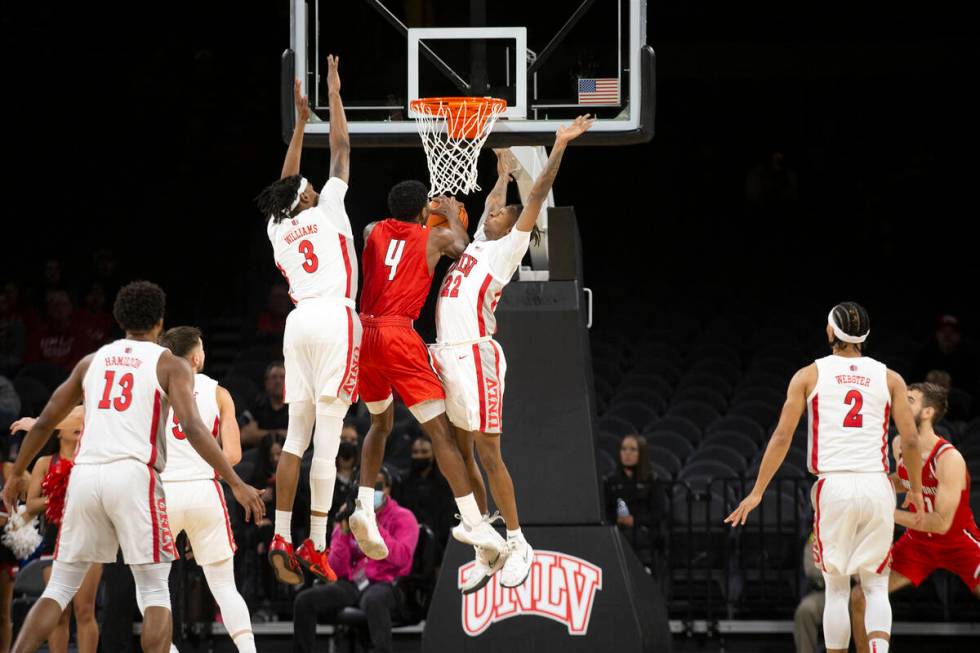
(602, 90)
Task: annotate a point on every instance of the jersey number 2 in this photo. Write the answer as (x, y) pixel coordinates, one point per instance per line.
(311, 262)
(124, 400)
(394, 255)
(854, 419)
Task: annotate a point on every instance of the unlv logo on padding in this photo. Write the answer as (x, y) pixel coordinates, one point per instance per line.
(561, 587)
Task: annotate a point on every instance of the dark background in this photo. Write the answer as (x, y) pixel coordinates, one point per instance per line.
(149, 128)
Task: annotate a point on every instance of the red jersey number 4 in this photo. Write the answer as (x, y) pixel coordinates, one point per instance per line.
(393, 256)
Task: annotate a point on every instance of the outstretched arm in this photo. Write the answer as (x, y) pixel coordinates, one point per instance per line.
(339, 136)
(779, 443)
(542, 185)
(911, 451)
(951, 473)
(290, 166)
(59, 406)
(506, 166)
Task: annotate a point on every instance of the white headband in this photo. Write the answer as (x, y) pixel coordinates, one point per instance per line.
(302, 187)
(843, 337)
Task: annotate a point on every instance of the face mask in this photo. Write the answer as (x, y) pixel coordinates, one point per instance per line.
(347, 451)
(420, 464)
(379, 499)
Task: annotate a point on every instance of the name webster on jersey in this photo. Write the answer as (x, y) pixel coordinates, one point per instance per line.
(853, 379)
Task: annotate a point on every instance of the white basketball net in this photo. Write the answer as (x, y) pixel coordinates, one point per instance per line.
(453, 131)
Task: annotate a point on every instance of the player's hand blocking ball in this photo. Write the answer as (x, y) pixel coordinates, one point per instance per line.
(439, 206)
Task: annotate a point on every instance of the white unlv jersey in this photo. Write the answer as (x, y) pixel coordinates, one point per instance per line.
(125, 407)
(315, 249)
(473, 285)
(183, 463)
(849, 411)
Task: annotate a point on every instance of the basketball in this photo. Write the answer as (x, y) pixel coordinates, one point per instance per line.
(439, 220)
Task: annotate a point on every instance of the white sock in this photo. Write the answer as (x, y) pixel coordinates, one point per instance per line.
(878, 645)
(515, 535)
(366, 496)
(234, 612)
(318, 531)
(284, 520)
(468, 510)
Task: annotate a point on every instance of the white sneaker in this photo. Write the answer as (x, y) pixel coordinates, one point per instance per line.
(482, 536)
(482, 571)
(364, 526)
(517, 566)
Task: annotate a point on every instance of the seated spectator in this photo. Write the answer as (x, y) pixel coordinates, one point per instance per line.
(809, 613)
(51, 276)
(347, 459)
(271, 322)
(635, 501)
(13, 338)
(18, 308)
(59, 339)
(267, 414)
(93, 315)
(949, 352)
(350, 434)
(104, 273)
(361, 581)
(940, 378)
(426, 492)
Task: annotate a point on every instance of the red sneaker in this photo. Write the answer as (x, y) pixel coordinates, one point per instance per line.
(283, 562)
(315, 561)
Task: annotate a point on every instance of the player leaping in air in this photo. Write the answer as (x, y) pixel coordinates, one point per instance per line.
(947, 537)
(313, 247)
(472, 365)
(400, 254)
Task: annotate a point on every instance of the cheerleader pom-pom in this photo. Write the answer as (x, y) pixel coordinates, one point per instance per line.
(20, 537)
(55, 487)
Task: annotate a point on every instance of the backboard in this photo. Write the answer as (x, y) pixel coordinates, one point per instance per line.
(550, 61)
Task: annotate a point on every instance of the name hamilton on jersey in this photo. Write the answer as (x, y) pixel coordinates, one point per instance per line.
(122, 361)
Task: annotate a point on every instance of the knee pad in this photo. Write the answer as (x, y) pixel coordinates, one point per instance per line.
(66, 578)
(878, 609)
(152, 585)
(299, 431)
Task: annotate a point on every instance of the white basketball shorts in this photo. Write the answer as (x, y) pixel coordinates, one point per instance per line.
(198, 508)
(111, 506)
(320, 349)
(854, 521)
(473, 376)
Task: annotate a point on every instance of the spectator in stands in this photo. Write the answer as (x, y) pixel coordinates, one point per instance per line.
(425, 491)
(350, 434)
(59, 340)
(940, 378)
(267, 415)
(97, 321)
(51, 276)
(104, 273)
(18, 308)
(13, 338)
(362, 582)
(347, 457)
(809, 613)
(949, 352)
(9, 402)
(271, 322)
(635, 500)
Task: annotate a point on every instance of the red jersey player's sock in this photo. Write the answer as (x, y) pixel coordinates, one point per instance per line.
(468, 510)
(284, 520)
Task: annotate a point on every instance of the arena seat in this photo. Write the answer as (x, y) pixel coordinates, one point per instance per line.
(699, 413)
(659, 350)
(715, 350)
(699, 475)
(666, 458)
(609, 443)
(722, 454)
(699, 548)
(761, 393)
(761, 413)
(33, 395)
(743, 444)
(616, 425)
(51, 376)
(740, 424)
(254, 371)
(703, 395)
(718, 367)
(654, 365)
(765, 378)
(605, 463)
(778, 366)
(787, 470)
(649, 397)
(649, 381)
(636, 413)
(240, 386)
(608, 371)
(678, 424)
(673, 442)
(705, 380)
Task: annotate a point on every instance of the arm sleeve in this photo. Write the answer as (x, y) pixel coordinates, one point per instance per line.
(507, 256)
(332, 205)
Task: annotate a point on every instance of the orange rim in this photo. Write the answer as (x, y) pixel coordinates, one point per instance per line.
(458, 111)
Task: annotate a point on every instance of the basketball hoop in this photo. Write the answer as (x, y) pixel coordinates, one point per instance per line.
(453, 131)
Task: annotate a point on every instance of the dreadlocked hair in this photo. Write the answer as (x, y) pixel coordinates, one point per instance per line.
(276, 199)
(536, 233)
(139, 306)
(853, 319)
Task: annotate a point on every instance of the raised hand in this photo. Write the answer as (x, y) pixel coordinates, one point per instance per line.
(578, 127)
(507, 163)
(302, 102)
(333, 76)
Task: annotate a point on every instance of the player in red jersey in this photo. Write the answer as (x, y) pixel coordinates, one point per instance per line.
(400, 255)
(947, 537)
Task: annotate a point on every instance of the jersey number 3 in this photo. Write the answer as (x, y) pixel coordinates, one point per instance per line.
(854, 419)
(394, 255)
(310, 262)
(123, 401)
